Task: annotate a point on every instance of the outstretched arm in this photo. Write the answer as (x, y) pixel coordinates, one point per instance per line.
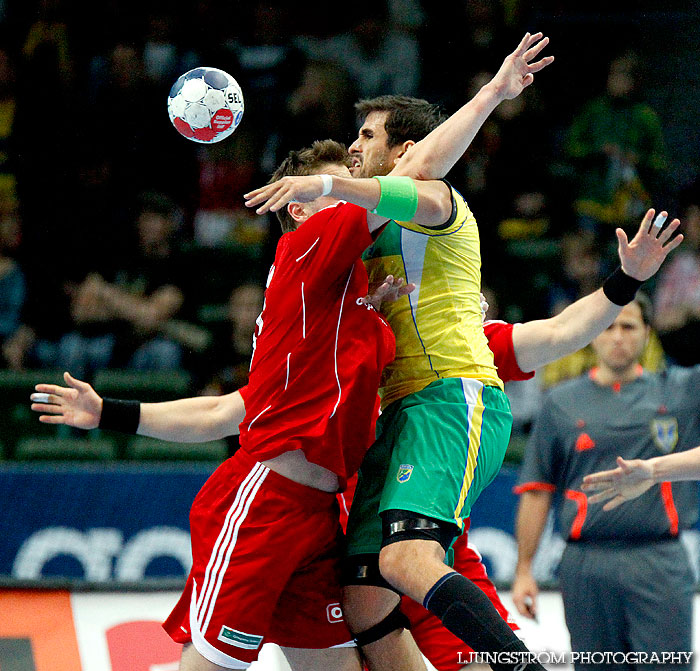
(435, 155)
(188, 420)
(434, 197)
(539, 342)
(632, 478)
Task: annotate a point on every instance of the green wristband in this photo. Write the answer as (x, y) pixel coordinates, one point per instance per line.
(398, 199)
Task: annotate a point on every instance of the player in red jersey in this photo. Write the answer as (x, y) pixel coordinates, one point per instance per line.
(265, 529)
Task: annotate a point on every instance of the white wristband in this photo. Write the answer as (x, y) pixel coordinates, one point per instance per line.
(327, 184)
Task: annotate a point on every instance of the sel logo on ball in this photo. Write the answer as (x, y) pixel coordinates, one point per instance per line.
(205, 105)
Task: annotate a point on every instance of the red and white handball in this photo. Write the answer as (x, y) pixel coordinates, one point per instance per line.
(205, 105)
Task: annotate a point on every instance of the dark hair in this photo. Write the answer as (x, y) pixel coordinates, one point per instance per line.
(308, 161)
(408, 118)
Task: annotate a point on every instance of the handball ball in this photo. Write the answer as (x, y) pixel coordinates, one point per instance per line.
(205, 105)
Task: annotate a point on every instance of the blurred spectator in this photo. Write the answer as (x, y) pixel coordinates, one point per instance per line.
(320, 107)
(677, 297)
(268, 70)
(233, 350)
(379, 57)
(8, 104)
(505, 170)
(12, 280)
(227, 170)
(459, 39)
(581, 271)
(160, 55)
(617, 149)
(134, 133)
(130, 322)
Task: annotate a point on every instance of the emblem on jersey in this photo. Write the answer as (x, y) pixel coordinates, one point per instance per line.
(664, 431)
(239, 638)
(404, 474)
(334, 613)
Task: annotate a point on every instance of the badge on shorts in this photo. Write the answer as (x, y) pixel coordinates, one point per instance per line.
(334, 613)
(239, 638)
(665, 433)
(404, 474)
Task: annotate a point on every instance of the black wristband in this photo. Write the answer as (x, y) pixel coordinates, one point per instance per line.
(621, 288)
(123, 416)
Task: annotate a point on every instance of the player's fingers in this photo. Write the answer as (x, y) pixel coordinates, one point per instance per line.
(528, 79)
(51, 389)
(668, 231)
(622, 240)
(532, 39)
(52, 419)
(278, 200)
(626, 466)
(658, 223)
(596, 485)
(256, 192)
(45, 407)
(646, 221)
(75, 383)
(256, 197)
(536, 67)
(41, 397)
(611, 505)
(522, 47)
(602, 496)
(674, 243)
(532, 52)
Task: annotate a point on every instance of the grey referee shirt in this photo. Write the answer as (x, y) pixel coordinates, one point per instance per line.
(584, 426)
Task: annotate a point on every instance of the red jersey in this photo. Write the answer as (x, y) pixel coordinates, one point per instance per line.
(500, 337)
(318, 352)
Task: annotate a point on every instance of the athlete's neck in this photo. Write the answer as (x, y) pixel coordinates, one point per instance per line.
(607, 377)
(293, 465)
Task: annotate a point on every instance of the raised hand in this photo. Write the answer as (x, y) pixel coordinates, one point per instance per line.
(643, 255)
(77, 405)
(390, 290)
(517, 72)
(628, 481)
(275, 196)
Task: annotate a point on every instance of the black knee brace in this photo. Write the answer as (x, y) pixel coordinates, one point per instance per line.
(403, 525)
(393, 621)
(364, 570)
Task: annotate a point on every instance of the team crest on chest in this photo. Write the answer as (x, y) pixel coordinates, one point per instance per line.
(404, 474)
(664, 431)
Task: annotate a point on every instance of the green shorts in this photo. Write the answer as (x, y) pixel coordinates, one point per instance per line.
(436, 451)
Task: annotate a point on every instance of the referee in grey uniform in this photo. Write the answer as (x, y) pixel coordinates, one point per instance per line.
(625, 577)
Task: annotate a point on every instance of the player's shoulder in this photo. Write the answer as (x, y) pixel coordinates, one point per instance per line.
(680, 377)
(461, 218)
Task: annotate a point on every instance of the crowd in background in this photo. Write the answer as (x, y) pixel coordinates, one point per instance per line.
(125, 245)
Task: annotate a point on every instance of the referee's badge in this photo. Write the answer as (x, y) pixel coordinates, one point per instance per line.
(404, 474)
(664, 431)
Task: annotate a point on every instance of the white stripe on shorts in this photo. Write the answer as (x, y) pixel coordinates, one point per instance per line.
(221, 553)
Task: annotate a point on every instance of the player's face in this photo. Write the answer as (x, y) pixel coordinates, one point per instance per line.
(370, 153)
(620, 346)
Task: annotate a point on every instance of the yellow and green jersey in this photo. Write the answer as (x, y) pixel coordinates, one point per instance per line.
(438, 327)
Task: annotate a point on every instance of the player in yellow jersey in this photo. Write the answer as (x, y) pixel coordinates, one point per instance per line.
(446, 421)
